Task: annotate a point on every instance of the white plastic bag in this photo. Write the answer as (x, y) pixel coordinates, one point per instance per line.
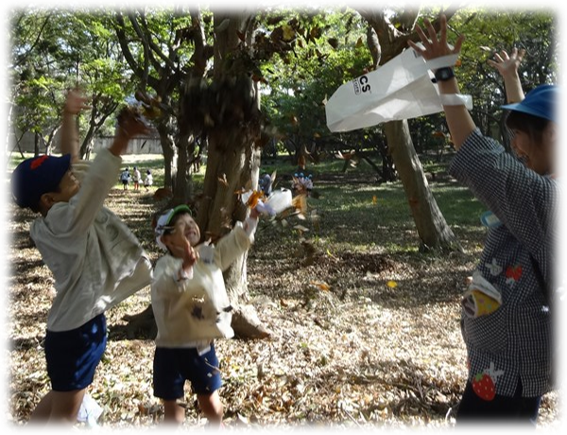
(280, 200)
(400, 89)
(90, 411)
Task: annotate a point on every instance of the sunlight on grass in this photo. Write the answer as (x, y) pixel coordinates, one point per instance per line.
(354, 216)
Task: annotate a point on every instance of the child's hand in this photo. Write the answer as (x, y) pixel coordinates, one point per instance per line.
(75, 102)
(131, 124)
(190, 256)
(507, 65)
(254, 213)
(260, 208)
(181, 248)
(435, 46)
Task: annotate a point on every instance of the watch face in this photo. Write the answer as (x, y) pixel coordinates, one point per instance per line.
(444, 74)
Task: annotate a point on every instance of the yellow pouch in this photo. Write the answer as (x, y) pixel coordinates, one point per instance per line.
(481, 298)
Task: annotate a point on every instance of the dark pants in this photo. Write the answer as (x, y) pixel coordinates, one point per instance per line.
(518, 409)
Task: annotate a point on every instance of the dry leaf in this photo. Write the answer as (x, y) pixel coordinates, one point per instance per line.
(300, 203)
(321, 285)
(254, 198)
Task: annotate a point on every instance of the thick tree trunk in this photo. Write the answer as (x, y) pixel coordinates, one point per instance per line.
(183, 181)
(233, 126)
(432, 228)
(238, 163)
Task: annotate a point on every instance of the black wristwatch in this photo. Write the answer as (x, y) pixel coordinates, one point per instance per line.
(444, 74)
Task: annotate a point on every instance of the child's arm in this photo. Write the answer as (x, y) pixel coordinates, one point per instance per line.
(458, 118)
(74, 103)
(101, 175)
(508, 66)
(237, 242)
(129, 125)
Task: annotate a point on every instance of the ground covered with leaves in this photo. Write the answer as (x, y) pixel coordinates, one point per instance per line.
(364, 327)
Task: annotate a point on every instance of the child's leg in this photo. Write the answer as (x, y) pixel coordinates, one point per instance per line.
(211, 406)
(518, 409)
(40, 415)
(58, 407)
(168, 383)
(72, 357)
(173, 413)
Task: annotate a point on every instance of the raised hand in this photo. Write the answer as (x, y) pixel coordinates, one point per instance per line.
(507, 65)
(75, 102)
(131, 123)
(435, 46)
(181, 247)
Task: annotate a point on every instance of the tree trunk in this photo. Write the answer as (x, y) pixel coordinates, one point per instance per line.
(432, 228)
(233, 124)
(49, 145)
(37, 139)
(169, 156)
(238, 163)
(5, 136)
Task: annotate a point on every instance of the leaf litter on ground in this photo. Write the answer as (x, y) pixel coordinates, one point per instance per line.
(360, 337)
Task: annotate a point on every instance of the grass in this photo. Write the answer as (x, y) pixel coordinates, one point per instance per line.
(378, 208)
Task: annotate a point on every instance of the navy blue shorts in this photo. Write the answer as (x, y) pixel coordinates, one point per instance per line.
(173, 366)
(72, 356)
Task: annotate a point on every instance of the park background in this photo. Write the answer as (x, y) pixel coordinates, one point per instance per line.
(361, 298)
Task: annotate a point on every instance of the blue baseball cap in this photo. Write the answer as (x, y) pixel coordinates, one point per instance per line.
(540, 102)
(36, 176)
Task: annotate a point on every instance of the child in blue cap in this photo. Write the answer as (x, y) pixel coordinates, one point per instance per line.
(505, 318)
(95, 259)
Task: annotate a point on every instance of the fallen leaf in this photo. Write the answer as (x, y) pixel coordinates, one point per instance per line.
(321, 285)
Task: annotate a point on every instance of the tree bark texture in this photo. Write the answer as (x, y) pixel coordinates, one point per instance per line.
(386, 42)
(432, 228)
(233, 121)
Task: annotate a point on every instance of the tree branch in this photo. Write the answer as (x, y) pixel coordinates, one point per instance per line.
(22, 59)
(152, 46)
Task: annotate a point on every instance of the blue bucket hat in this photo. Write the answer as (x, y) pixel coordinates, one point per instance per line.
(36, 176)
(540, 102)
